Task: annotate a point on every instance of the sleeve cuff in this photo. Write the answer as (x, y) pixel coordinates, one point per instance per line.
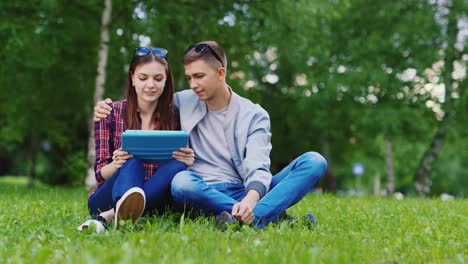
(257, 186)
(99, 177)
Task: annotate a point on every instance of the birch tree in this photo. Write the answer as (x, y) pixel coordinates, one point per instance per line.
(452, 53)
(99, 92)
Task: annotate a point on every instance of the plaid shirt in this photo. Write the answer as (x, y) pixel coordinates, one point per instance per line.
(108, 138)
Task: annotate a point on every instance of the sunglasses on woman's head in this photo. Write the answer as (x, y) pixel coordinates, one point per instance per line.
(158, 52)
(202, 48)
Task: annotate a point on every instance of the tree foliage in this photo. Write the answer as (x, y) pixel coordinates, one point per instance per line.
(332, 74)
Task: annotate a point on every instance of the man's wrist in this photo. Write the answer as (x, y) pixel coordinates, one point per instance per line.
(252, 197)
(258, 187)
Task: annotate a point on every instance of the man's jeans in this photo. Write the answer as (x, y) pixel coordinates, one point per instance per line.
(130, 175)
(287, 188)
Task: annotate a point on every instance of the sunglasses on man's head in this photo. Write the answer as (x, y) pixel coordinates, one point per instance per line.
(202, 48)
(158, 52)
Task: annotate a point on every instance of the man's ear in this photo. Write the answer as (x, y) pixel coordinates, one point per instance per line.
(221, 73)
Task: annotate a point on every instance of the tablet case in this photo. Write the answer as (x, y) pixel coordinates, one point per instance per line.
(153, 145)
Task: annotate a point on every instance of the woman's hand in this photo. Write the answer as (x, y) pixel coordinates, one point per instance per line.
(185, 155)
(119, 157)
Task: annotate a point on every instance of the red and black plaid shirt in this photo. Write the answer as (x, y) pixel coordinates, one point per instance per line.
(108, 138)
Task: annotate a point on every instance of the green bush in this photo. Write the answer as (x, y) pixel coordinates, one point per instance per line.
(74, 168)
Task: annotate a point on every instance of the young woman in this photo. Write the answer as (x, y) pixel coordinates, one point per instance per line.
(128, 186)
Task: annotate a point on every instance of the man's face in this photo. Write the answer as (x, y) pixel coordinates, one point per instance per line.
(203, 79)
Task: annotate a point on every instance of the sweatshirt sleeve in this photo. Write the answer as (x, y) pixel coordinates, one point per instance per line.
(257, 162)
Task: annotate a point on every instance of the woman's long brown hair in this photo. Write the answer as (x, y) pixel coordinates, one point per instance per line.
(165, 102)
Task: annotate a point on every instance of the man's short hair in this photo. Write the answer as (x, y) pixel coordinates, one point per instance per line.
(192, 55)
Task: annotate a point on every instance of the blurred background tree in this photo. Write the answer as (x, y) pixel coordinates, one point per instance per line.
(359, 81)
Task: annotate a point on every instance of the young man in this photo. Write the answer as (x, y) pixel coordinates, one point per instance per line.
(231, 136)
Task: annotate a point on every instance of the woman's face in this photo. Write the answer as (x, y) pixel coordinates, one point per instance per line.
(149, 80)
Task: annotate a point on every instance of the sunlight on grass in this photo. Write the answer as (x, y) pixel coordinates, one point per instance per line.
(19, 182)
(39, 226)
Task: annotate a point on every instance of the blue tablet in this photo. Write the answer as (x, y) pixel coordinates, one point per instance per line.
(153, 145)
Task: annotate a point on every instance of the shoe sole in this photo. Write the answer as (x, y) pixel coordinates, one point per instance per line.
(130, 206)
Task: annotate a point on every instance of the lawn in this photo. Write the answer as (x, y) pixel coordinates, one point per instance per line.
(39, 226)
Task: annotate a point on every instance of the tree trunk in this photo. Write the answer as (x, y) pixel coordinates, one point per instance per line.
(377, 185)
(329, 182)
(422, 180)
(422, 177)
(99, 92)
(32, 169)
(389, 163)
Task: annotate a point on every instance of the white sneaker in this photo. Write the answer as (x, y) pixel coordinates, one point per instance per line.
(130, 206)
(99, 226)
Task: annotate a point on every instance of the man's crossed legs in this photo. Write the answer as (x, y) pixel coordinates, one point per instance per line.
(287, 188)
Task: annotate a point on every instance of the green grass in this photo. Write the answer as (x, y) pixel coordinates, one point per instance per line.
(39, 226)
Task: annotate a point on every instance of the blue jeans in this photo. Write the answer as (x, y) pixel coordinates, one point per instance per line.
(286, 189)
(132, 174)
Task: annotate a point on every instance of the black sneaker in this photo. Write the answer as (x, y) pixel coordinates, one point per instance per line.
(225, 219)
(285, 217)
(308, 219)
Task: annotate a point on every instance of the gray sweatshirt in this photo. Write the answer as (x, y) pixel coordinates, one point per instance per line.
(248, 138)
